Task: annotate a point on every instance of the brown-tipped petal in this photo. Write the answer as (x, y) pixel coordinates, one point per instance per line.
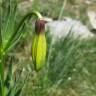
(40, 26)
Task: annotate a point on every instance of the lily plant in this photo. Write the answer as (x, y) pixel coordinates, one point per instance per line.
(10, 34)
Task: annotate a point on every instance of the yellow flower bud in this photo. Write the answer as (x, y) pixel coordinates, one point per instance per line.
(39, 45)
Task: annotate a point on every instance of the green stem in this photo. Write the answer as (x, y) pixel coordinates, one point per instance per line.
(29, 15)
(1, 66)
(1, 73)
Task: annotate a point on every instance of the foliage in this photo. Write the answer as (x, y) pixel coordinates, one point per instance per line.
(70, 65)
(69, 69)
(11, 32)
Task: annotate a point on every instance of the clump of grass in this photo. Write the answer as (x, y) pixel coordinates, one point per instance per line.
(68, 67)
(11, 33)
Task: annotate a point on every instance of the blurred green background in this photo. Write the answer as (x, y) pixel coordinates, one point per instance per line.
(71, 69)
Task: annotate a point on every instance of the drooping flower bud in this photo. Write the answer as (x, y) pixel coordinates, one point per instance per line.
(39, 45)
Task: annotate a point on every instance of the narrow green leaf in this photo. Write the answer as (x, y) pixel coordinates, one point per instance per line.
(9, 22)
(9, 75)
(1, 64)
(1, 75)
